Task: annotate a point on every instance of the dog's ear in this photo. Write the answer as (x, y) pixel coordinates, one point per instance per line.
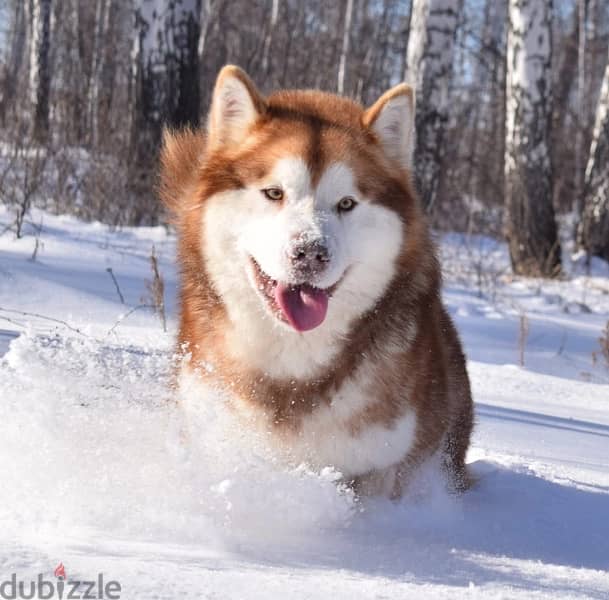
(236, 105)
(181, 156)
(391, 118)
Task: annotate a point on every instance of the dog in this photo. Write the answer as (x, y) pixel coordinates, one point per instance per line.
(310, 286)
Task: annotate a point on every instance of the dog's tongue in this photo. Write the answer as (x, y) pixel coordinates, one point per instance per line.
(303, 306)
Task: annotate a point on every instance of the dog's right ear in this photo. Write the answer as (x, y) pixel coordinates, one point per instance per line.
(391, 118)
(181, 156)
(236, 105)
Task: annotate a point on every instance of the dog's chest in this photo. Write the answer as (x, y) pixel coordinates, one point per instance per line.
(346, 434)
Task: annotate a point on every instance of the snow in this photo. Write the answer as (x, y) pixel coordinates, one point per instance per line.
(96, 472)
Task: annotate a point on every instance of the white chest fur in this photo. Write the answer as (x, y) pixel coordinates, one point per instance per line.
(325, 438)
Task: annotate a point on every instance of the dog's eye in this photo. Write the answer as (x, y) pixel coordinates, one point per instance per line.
(273, 193)
(346, 204)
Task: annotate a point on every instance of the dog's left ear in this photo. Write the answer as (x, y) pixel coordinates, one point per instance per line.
(391, 119)
(236, 105)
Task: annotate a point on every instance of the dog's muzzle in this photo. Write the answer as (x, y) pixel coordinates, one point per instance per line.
(308, 258)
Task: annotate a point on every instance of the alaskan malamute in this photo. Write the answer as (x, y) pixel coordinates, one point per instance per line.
(310, 284)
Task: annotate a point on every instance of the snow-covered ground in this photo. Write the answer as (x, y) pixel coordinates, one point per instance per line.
(94, 474)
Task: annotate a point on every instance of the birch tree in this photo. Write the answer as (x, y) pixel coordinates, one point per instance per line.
(268, 40)
(429, 67)
(345, 47)
(594, 227)
(39, 64)
(530, 223)
(165, 70)
(165, 84)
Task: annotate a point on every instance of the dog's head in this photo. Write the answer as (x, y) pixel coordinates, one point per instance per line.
(302, 201)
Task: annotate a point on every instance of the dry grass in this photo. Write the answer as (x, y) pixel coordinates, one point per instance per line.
(603, 352)
(156, 289)
(523, 334)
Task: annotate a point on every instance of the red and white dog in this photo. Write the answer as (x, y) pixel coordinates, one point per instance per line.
(310, 283)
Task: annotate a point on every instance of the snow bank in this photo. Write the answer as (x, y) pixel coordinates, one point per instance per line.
(93, 438)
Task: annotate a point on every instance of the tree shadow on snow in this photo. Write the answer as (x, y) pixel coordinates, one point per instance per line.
(487, 411)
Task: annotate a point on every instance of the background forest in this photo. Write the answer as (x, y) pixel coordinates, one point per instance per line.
(512, 101)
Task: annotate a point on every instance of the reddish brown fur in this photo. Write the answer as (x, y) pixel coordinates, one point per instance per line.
(323, 128)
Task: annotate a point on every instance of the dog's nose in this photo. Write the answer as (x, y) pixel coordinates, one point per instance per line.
(309, 256)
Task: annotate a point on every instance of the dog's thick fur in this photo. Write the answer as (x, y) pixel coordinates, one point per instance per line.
(380, 385)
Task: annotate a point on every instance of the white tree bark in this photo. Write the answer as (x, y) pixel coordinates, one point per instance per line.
(209, 10)
(429, 68)
(39, 64)
(531, 226)
(165, 82)
(165, 52)
(268, 40)
(166, 61)
(594, 229)
(345, 47)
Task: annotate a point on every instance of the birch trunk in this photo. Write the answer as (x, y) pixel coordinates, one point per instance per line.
(39, 74)
(165, 81)
(530, 223)
(429, 67)
(166, 64)
(345, 47)
(594, 228)
(268, 40)
(209, 10)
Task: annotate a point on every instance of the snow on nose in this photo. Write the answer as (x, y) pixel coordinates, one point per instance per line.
(308, 257)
